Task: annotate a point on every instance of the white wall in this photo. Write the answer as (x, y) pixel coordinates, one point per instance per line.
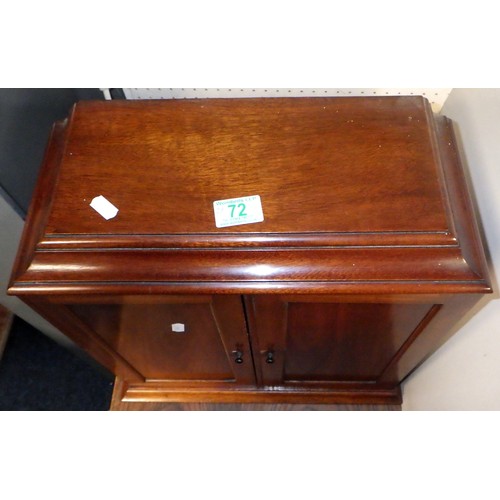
(465, 373)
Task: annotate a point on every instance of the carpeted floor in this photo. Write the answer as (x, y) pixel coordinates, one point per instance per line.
(38, 374)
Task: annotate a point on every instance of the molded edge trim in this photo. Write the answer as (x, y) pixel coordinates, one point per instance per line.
(249, 287)
(158, 393)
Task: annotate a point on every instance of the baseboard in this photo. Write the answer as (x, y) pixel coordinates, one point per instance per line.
(155, 397)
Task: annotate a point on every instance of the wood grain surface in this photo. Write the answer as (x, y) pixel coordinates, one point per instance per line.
(369, 161)
(368, 255)
(341, 213)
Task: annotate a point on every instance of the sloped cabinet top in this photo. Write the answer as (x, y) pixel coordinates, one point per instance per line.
(357, 194)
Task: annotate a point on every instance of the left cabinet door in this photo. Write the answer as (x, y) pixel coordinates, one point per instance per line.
(175, 338)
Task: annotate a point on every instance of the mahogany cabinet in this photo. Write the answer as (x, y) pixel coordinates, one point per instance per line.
(309, 250)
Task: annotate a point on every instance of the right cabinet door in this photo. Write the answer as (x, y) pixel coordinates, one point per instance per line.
(304, 340)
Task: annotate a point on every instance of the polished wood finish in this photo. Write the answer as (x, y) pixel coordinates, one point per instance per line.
(121, 406)
(164, 391)
(330, 342)
(367, 257)
(214, 345)
(335, 197)
(117, 404)
(373, 153)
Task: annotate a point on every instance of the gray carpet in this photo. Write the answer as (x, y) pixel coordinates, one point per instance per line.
(38, 374)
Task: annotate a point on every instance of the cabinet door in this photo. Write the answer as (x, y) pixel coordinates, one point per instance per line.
(176, 338)
(315, 339)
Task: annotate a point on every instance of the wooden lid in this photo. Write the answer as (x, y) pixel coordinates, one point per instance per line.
(352, 189)
(319, 165)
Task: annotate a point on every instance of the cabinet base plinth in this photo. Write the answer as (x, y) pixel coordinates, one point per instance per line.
(158, 396)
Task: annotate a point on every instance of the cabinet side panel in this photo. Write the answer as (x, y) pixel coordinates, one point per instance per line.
(451, 315)
(64, 318)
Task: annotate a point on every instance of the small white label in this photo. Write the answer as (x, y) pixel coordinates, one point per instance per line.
(178, 328)
(104, 207)
(238, 211)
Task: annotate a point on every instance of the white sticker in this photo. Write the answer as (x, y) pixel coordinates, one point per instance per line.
(238, 211)
(104, 207)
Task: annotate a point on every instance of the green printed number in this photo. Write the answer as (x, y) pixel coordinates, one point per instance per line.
(242, 208)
